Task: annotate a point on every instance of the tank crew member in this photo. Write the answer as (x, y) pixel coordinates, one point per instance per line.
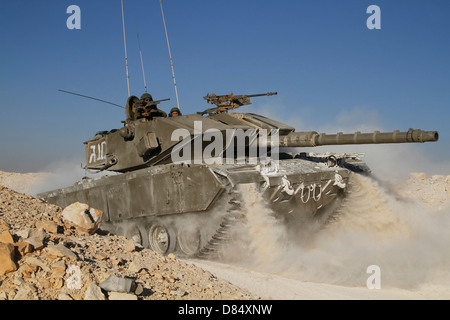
(146, 108)
(146, 97)
(174, 112)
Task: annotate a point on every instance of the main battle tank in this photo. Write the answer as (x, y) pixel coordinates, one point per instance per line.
(177, 180)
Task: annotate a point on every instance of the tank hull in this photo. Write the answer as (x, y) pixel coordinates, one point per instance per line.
(182, 208)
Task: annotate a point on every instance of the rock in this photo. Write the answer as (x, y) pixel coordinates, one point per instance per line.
(158, 276)
(36, 262)
(64, 296)
(6, 237)
(118, 284)
(82, 217)
(28, 271)
(60, 251)
(45, 283)
(121, 296)
(171, 279)
(171, 257)
(135, 267)
(24, 247)
(4, 226)
(58, 269)
(48, 226)
(139, 289)
(94, 292)
(25, 233)
(36, 238)
(56, 283)
(100, 256)
(26, 293)
(7, 263)
(130, 246)
(180, 293)
(117, 261)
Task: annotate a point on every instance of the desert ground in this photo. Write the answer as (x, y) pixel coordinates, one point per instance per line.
(401, 228)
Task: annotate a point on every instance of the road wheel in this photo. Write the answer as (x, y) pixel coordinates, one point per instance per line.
(134, 234)
(161, 238)
(188, 240)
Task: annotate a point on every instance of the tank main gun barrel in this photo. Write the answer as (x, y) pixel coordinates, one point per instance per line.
(313, 139)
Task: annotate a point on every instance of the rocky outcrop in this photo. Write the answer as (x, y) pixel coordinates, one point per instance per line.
(43, 256)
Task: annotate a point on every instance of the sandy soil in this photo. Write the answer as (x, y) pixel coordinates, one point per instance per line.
(279, 287)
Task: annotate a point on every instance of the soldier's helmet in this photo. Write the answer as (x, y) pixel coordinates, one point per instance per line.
(146, 96)
(174, 110)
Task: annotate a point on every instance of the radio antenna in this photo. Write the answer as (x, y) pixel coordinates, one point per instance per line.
(170, 55)
(125, 45)
(142, 60)
(81, 95)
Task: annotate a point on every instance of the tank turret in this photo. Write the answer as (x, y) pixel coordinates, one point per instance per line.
(144, 143)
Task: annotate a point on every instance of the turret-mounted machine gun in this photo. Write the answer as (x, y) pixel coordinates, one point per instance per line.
(229, 101)
(136, 109)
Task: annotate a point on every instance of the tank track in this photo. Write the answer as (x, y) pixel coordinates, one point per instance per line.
(223, 235)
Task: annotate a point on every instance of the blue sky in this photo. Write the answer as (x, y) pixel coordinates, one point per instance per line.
(329, 69)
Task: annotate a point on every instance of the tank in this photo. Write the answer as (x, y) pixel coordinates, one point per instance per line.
(175, 183)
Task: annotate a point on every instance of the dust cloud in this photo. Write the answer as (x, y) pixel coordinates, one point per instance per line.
(373, 226)
(60, 175)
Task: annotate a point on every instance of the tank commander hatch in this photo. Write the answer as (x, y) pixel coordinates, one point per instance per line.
(146, 108)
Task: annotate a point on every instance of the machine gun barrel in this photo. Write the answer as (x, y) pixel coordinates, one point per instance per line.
(150, 104)
(158, 101)
(313, 139)
(268, 94)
